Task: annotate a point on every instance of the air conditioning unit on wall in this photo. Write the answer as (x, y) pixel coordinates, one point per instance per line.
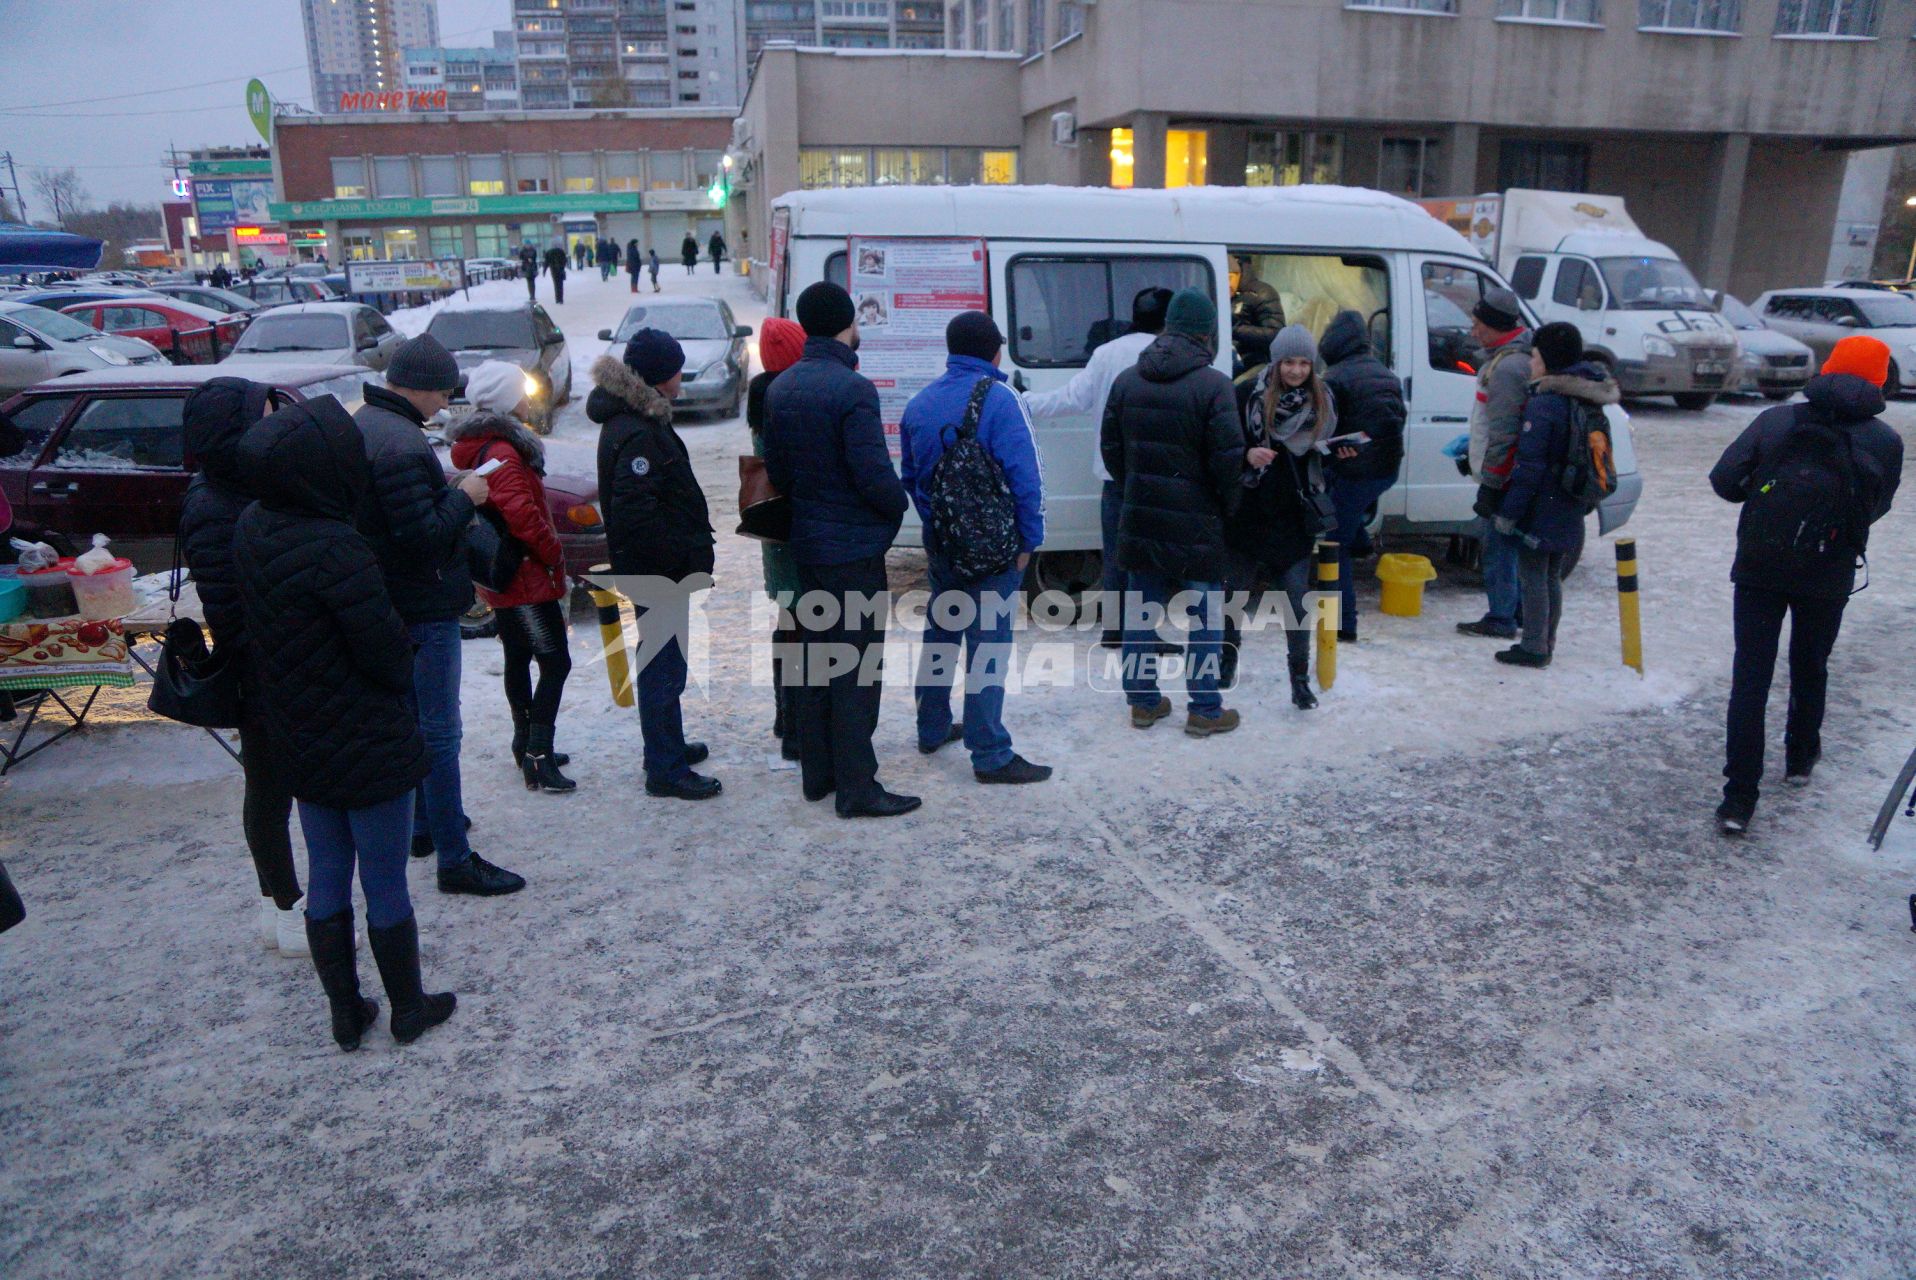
(1064, 128)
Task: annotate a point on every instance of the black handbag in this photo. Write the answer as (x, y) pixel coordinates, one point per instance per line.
(192, 684)
(12, 910)
(493, 555)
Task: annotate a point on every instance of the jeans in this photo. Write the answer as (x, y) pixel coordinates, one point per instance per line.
(1295, 582)
(376, 838)
(661, 685)
(1352, 499)
(441, 810)
(1500, 575)
(1110, 509)
(988, 650)
(1758, 614)
(1540, 578)
(837, 717)
(1203, 653)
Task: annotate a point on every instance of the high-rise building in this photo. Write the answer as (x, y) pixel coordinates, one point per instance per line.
(354, 46)
(474, 79)
(580, 54)
(844, 24)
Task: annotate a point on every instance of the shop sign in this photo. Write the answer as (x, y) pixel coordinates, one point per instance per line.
(675, 201)
(222, 203)
(453, 206)
(427, 275)
(396, 100)
(230, 168)
(256, 235)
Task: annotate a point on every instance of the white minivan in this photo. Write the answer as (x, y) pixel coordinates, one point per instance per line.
(1060, 266)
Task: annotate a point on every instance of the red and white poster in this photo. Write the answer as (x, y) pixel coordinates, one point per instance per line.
(906, 292)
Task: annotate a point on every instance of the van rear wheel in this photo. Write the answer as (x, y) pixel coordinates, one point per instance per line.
(1071, 573)
(1694, 401)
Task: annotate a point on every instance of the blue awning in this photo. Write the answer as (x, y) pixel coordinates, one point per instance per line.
(25, 248)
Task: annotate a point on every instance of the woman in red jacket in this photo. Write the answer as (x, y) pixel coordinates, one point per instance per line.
(531, 614)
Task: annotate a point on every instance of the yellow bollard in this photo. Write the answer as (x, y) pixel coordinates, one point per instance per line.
(612, 635)
(1328, 615)
(1629, 617)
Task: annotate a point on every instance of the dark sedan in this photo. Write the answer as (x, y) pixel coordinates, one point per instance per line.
(519, 333)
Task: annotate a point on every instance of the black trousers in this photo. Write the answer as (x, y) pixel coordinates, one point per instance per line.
(265, 815)
(1814, 622)
(529, 634)
(558, 288)
(837, 717)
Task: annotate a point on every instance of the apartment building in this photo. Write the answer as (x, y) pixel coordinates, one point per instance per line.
(474, 79)
(582, 54)
(356, 46)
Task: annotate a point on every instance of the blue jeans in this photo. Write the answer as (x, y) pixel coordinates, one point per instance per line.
(441, 811)
(986, 613)
(377, 839)
(1110, 508)
(661, 683)
(1202, 653)
(1351, 499)
(1500, 575)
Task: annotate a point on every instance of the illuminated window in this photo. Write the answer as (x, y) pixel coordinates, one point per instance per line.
(998, 168)
(1186, 157)
(1122, 143)
(402, 243)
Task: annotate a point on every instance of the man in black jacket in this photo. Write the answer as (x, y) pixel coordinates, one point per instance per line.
(659, 534)
(1369, 401)
(1257, 313)
(555, 267)
(529, 268)
(1171, 437)
(417, 522)
(1811, 479)
(826, 452)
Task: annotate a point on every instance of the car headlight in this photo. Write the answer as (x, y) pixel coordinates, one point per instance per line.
(110, 356)
(534, 389)
(1655, 346)
(714, 370)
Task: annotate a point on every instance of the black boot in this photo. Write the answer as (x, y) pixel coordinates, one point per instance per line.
(332, 945)
(1301, 696)
(539, 766)
(396, 951)
(521, 726)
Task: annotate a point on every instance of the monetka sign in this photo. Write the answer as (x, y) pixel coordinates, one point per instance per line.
(399, 100)
(906, 292)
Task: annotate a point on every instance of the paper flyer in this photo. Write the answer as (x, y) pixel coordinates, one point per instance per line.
(906, 292)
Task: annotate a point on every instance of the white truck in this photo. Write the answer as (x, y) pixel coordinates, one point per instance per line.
(1580, 258)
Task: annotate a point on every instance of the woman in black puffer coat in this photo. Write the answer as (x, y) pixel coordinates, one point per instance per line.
(334, 667)
(217, 414)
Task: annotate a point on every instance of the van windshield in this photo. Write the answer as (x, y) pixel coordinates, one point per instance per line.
(1652, 284)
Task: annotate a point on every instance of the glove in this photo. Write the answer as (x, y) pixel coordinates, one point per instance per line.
(1463, 467)
(1506, 526)
(1487, 502)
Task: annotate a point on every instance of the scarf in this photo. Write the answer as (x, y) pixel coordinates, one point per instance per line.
(1292, 421)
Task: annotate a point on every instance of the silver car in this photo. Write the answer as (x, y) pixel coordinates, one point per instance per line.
(1774, 364)
(37, 344)
(1821, 318)
(517, 332)
(717, 362)
(318, 333)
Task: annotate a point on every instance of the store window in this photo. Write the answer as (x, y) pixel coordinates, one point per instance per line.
(1277, 158)
(392, 177)
(667, 169)
(921, 168)
(578, 172)
(1408, 167)
(821, 167)
(1585, 13)
(1543, 166)
(1064, 308)
(402, 243)
(970, 167)
(1690, 15)
(485, 175)
(349, 178)
(360, 246)
(624, 171)
(1830, 18)
(438, 176)
(1186, 157)
(446, 242)
(1123, 160)
(491, 240)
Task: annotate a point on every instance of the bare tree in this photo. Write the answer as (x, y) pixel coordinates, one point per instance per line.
(62, 189)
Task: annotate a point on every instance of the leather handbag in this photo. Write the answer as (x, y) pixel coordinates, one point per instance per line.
(493, 555)
(764, 514)
(12, 909)
(192, 684)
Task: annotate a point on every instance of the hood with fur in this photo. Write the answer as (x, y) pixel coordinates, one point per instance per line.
(470, 434)
(616, 389)
(1581, 381)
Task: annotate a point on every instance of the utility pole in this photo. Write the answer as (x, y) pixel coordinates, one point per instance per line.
(13, 180)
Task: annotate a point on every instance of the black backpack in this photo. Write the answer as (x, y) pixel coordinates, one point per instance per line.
(1806, 508)
(1589, 472)
(974, 518)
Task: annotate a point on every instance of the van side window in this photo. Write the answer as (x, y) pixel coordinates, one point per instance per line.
(1451, 293)
(838, 270)
(1063, 308)
(1309, 289)
(1526, 278)
(1571, 276)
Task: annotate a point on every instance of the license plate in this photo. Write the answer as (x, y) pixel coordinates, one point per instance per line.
(1711, 369)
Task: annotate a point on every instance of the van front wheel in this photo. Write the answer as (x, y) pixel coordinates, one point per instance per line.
(1694, 401)
(1072, 573)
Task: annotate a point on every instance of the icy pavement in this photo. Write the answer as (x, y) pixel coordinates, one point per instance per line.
(1449, 978)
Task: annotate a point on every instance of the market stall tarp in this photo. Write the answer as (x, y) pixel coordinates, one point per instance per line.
(24, 248)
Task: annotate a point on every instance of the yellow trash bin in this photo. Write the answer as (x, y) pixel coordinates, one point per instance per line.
(1404, 578)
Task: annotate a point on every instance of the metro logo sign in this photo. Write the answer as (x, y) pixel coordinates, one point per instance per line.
(401, 100)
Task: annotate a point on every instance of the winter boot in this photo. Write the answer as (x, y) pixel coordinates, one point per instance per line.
(396, 951)
(521, 726)
(1301, 696)
(541, 770)
(332, 945)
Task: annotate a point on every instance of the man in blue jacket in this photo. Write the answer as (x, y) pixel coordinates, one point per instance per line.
(976, 612)
(825, 451)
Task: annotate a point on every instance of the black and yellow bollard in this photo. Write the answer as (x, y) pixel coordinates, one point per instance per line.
(1329, 614)
(612, 636)
(1629, 619)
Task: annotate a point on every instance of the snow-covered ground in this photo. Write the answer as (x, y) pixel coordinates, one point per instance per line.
(1447, 978)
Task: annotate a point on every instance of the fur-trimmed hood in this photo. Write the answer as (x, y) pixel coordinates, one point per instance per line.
(480, 426)
(616, 389)
(1582, 381)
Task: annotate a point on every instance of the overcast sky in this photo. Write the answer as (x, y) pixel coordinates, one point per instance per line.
(66, 64)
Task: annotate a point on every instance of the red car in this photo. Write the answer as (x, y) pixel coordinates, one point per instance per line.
(186, 331)
(105, 453)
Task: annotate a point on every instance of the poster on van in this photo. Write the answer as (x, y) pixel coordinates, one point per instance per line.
(906, 292)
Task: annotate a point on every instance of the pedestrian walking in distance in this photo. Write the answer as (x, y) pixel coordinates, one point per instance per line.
(716, 247)
(657, 527)
(1172, 437)
(825, 450)
(634, 263)
(1087, 393)
(333, 664)
(217, 413)
(781, 343)
(529, 269)
(530, 612)
(607, 252)
(1535, 509)
(555, 267)
(689, 253)
(972, 402)
(1812, 479)
(1370, 404)
(1503, 385)
(416, 522)
(652, 268)
(579, 253)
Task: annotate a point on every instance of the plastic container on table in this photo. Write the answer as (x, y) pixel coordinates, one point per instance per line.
(1403, 578)
(13, 597)
(50, 592)
(107, 593)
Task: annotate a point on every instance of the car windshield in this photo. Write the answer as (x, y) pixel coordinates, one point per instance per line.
(56, 326)
(296, 333)
(1892, 310)
(1739, 315)
(686, 323)
(1652, 284)
(349, 389)
(470, 330)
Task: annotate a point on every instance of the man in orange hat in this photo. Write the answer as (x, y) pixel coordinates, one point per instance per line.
(1812, 478)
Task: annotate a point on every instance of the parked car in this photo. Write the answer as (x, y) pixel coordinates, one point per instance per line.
(206, 295)
(56, 297)
(717, 361)
(1823, 317)
(37, 344)
(105, 454)
(276, 293)
(317, 333)
(518, 332)
(481, 269)
(124, 279)
(182, 331)
(1773, 364)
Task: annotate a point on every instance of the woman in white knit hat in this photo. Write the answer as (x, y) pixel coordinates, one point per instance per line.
(530, 610)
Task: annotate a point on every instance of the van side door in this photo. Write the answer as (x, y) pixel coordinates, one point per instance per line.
(1444, 389)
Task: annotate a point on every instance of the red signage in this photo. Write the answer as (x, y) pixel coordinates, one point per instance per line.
(400, 100)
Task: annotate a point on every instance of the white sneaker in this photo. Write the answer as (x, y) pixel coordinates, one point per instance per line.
(290, 930)
(268, 924)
